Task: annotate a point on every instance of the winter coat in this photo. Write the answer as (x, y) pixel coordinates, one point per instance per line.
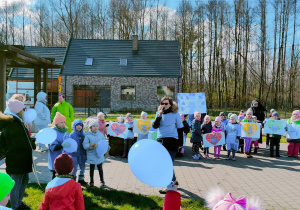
(52, 154)
(233, 134)
(16, 144)
(102, 127)
(43, 113)
(63, 194)
(206, 128)
(186, 127)
(78, 136)
(290, 122)
(66, 110)
(92, 138)
(196, 131)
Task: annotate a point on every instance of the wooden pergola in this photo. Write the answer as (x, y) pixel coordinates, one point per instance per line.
(16, 57)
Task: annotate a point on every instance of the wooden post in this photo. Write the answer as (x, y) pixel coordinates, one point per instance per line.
(37, 81)
(2, 81)
(45, 80)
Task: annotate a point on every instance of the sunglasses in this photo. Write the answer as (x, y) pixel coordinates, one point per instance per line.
(164, 103)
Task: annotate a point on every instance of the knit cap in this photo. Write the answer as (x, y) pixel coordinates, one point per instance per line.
(297, 112)
(144, 113)
(93, 122)
(15, 106)
(229, 115)
(63, 164)
(218, 119)
(272, 110)
(6, 184)
(222, 114)
(59, 118)
(275, 114)
(128, 115)
(235, 117)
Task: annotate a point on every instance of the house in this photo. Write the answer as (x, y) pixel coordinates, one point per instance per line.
(120, 74)
(20, 80)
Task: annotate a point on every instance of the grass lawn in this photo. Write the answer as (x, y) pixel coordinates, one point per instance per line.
(95, 198)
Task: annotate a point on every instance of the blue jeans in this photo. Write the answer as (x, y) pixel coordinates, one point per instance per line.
(17, 192)
(41, 127)
(81, 166)
(172, 154)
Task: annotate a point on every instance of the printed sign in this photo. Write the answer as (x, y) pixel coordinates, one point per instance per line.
(141, 126)
(213, 139)
(275, 127)
(117, 129)
(250, 130)
(293, 131)
(188, 103)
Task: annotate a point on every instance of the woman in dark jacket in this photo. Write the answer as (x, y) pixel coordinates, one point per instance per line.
(259, 111)
(169, 128)
(16, 145)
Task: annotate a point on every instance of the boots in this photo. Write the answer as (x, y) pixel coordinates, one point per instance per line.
(82, 182)
(249, 156)
(124, 155)
(255, 150)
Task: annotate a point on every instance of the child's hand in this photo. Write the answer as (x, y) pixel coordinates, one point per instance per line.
(213, 132)
(92, 146)
(95, 146)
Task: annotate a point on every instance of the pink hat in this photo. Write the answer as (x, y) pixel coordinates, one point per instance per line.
(218, 119)
(15, 106)
(296, 112)
(59, 118)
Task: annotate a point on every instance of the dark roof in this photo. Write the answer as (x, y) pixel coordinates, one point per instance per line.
(45, 52)
(153, 58)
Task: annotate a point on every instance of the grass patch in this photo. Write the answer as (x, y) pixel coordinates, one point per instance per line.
(95, 198)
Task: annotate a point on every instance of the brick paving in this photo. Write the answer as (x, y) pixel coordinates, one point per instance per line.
(275, 181)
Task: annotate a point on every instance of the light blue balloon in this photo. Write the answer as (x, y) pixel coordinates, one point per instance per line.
(30, 115)
(72, 145)
(101, 148)
(46, 136)
(151, 163)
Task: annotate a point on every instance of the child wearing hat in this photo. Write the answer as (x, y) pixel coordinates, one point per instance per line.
(233, 130)
(6, 185)
(63, 192)
(102, 123)
(218, 127)
(274, 139)
(56, 147)
(248, 140)
(144, 135)
(130, 135)
(206, 127)
(90, 143)
(79, 156)
(294, 143)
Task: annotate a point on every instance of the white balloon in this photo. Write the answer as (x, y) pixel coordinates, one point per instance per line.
(30, 115)
(46, 136)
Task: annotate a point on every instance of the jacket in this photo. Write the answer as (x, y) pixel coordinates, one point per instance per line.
(63, 194)
(78, 136)
(43, 113)
(186, 127)
(290, 122)
(16, 144)
(233, 135)
(196, 131)
(66, 110)
(92, 138)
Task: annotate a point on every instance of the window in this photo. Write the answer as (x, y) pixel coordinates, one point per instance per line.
(165, 91)
(89, 61)
(123, 61)
(128, 92)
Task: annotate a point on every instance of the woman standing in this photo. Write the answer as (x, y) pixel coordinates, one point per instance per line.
(16, 145)
(169, 129)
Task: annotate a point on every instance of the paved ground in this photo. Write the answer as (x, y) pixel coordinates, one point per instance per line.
(275, 181)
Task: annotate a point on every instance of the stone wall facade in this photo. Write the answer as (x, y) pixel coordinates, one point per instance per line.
(145, 89)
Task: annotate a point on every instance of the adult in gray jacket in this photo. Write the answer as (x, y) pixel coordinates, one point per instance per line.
(43, 115)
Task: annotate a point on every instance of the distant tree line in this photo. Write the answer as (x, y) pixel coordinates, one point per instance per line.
(233, 51)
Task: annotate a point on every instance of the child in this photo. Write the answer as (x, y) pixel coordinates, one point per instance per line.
(248, 140)
(90, 143)
(217, 128)
(196, 137)
(56, 147)
(294, 144)
(186, 130)
(233, 130)
(206, 127)
(102, 123)
(6, 185)
(268, 135)
(145, 135)
(79, 156)
(241, 116)
(63, 192)
(274, 139)
(254, 141)
(130, 135)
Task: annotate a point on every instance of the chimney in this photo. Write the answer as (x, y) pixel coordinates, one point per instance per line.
(135, 44)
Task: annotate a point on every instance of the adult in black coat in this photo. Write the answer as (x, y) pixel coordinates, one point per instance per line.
(258, 111)
(16, 146)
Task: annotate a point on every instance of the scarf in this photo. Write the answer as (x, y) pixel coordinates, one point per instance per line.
(63, 130)
(167, 110)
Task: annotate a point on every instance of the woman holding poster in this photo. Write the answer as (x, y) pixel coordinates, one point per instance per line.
(169, 128)
(293, 140)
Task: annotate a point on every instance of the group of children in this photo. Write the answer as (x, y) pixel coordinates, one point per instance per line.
(234, 141)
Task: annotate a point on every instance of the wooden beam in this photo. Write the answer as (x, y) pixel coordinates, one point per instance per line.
(45, 80)
(2, 81)
(37, 82)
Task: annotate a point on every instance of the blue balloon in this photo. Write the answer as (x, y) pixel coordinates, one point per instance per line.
(102, 147)
(46, 136)
(30, 115)
(151, 163)
(71, 145)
